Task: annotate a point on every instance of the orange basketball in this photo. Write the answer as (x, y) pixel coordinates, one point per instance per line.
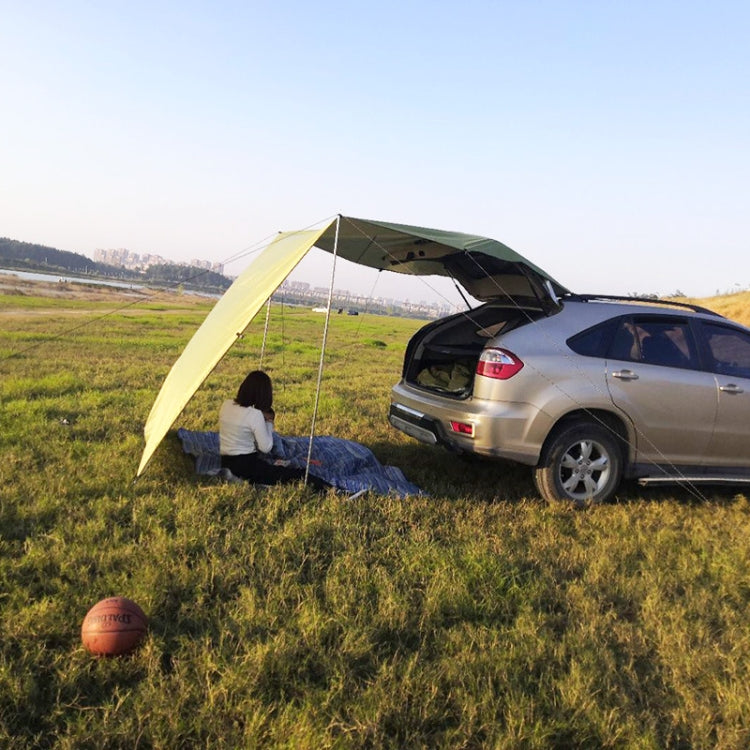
(113, 626)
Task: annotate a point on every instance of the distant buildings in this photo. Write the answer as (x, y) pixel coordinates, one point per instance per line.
(300, 292)
(138, 262)
(296, 292)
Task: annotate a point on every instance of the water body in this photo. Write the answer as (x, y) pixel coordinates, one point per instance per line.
(32, 276)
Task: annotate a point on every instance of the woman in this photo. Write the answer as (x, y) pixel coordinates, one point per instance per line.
(246, 431)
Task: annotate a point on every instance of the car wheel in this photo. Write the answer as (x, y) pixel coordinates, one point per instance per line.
(582, 463)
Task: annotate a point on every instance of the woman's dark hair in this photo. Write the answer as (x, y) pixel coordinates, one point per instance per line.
(256, 390)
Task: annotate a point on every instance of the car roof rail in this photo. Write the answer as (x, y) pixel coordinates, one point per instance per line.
(644, 300)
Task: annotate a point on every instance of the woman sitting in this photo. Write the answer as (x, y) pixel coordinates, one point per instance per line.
(246, 431)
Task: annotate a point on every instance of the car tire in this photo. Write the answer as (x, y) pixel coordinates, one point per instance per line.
(582, 464)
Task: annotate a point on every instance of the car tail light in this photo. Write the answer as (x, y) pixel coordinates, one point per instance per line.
(498, 363)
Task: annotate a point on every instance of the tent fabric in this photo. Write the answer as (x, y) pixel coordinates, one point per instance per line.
(221, 328)
(416, 250)
(394, 247)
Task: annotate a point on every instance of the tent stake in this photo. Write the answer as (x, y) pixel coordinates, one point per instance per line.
(323, 348)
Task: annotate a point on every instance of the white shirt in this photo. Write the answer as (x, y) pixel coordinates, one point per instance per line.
(243, 429)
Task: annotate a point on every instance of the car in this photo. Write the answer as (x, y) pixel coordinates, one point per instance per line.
(587, 390)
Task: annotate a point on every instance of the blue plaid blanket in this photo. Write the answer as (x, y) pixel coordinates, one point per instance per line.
(343, 463)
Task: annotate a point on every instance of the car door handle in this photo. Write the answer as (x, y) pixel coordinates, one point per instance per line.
(624, 375)
(731, 388)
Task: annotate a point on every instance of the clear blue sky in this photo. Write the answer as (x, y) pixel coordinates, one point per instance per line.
(607, 141)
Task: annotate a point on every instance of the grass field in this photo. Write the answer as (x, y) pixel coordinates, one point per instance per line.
(475, 617)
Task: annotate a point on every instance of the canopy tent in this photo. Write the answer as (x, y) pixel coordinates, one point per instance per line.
(485, 267)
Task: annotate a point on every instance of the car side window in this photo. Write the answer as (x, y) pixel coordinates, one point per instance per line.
(654, 340)
(625, 344)
(595, 341)
(728, 350)
(666, 343)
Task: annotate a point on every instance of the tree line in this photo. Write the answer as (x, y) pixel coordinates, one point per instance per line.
(28, 256)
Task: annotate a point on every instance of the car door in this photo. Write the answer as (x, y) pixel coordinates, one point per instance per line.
(727, 354)
(653, 376)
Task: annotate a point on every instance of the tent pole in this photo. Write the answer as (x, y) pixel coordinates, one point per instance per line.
(265, 334)
(323, 348)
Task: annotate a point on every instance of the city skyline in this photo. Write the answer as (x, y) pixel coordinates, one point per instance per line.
(131, 260)
(134, 261)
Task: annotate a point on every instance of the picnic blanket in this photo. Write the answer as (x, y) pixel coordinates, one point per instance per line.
(345, 464)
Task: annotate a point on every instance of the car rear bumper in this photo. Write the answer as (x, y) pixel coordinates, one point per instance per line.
(499, 429)
(416, 424)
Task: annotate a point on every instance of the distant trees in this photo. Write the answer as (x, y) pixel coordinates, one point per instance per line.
(169, 273)
(32, 257)
(27, 254)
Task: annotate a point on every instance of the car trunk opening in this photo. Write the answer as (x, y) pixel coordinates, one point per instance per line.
(442, 356)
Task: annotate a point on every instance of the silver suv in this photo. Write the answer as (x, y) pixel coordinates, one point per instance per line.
(587, 390)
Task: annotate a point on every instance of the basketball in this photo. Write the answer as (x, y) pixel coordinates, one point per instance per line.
(113, 627)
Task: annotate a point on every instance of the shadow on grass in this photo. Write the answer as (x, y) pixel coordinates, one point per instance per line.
(684, 494)
(440, 472)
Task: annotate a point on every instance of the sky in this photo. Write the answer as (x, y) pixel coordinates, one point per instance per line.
(606, 141)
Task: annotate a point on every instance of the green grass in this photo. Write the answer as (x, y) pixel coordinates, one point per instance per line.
(475, 617)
